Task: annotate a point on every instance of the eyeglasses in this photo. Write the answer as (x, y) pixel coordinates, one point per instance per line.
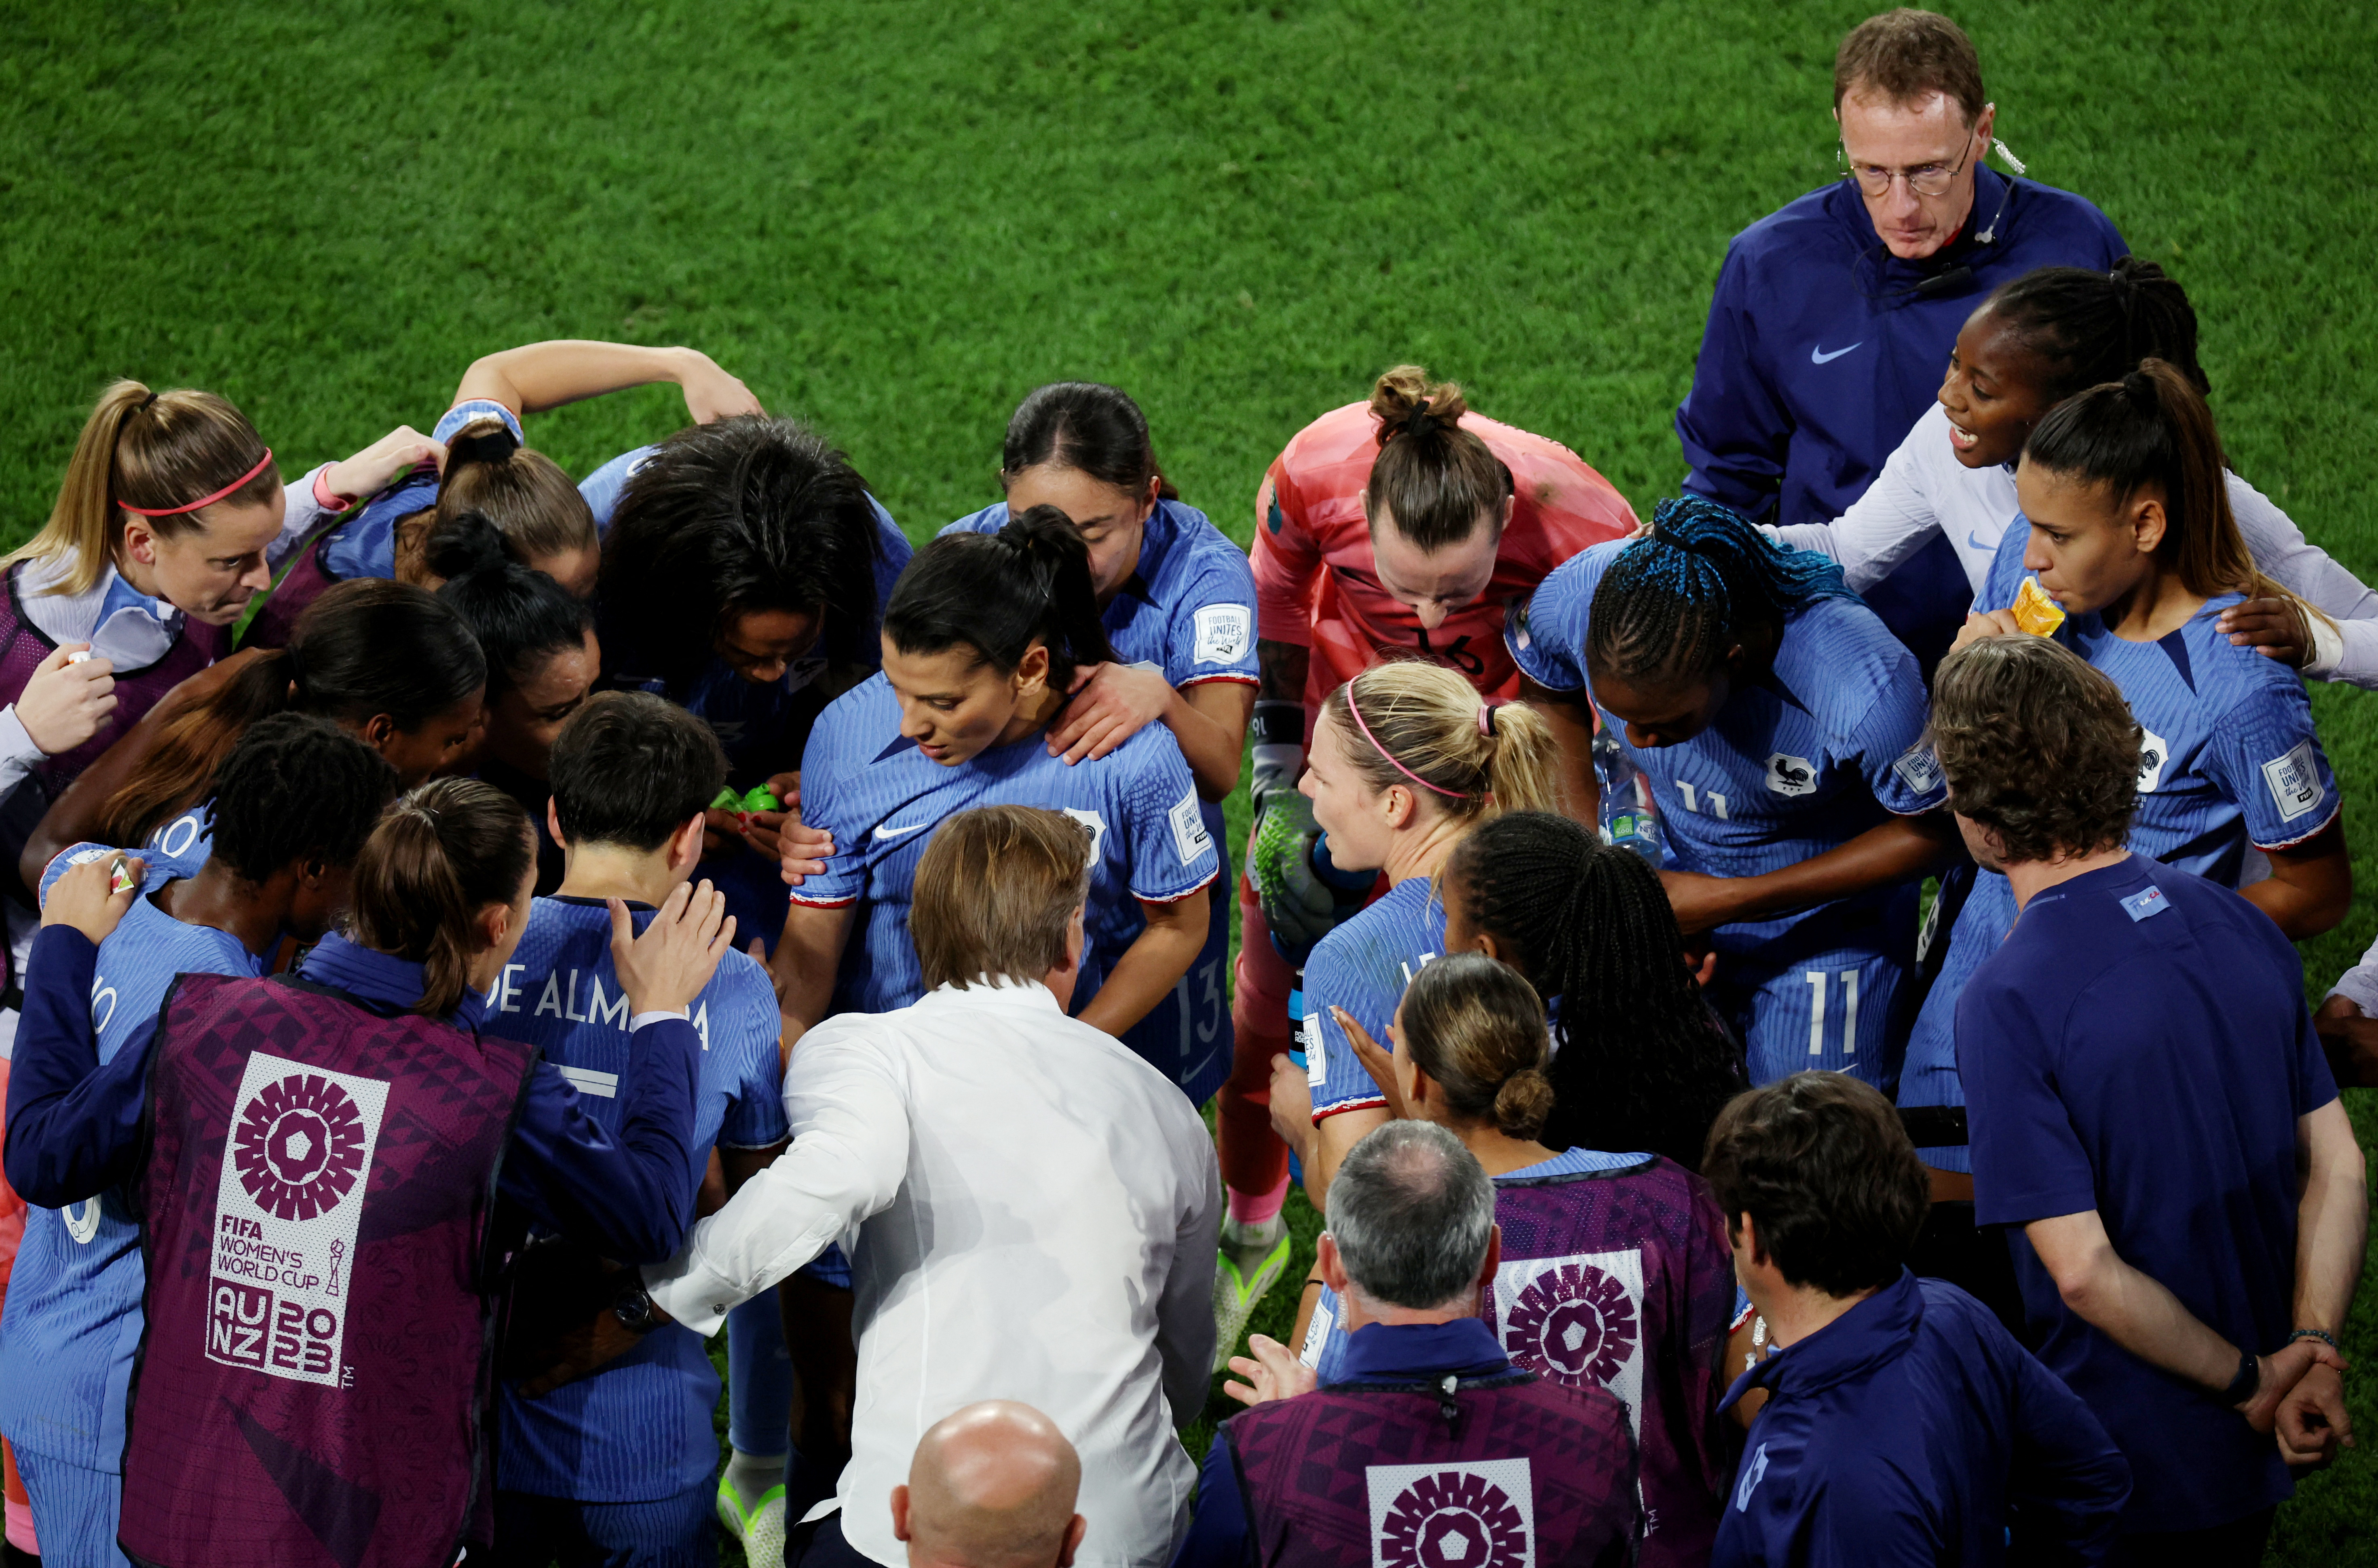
(1930, 179)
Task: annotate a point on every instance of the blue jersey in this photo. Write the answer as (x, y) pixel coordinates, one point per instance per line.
(72, 1327)
(880, 798)
(182, 845)
(2229, 757)
(602, 488)
(1363, 966)
(1829, 744)
(641, 1428)
(1187, 610)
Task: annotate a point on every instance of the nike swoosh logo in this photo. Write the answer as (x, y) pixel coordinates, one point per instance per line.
(885, 836)
(1819, 356)
(1974, 541)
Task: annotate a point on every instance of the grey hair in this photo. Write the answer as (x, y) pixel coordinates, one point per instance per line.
(1411, 1212)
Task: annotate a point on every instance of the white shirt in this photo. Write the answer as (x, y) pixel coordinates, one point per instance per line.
(1030, 1213)
(1923, 489)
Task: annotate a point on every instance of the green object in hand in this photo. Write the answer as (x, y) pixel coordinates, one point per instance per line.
(728, 800)
(762, 798)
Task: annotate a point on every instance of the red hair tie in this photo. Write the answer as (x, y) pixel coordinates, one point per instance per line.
(262, 463)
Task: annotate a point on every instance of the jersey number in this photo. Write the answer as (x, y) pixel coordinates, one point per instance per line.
(1816, 978)
(1693, 802)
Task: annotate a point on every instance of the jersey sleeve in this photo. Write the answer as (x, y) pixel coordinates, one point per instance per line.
(602, 488)
(1545, 632)
(1887, 525)
(451, 423)
(1890, 748)
(749, 1024)
(2028, 1160)
(1338, 1080)
(73, 855)
(2006, 573)
(830, 786)
(1284, 562)
(1213, 632)
(2265, 753)
(1173, 855)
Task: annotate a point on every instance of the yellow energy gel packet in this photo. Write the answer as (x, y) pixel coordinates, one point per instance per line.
(2035, 611)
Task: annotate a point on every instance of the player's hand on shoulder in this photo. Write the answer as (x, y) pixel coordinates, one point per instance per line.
(1109, 704)
(1377, 1061)
(2274, 628)
(92, 897)
(66, 698)
(666, 967)
(377, 466)
(803, 850)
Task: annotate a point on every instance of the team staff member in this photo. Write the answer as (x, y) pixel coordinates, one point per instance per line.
(1403, 526)
(1178, 602)
(2150, 1107)
(1833, 316)
(1779, 729)
(1902, 1422)
(362, 1391)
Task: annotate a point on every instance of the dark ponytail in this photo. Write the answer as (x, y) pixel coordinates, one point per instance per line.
(520, 618)
(443, 852)
(1089, 427)
(1642, 1062)
(1477, 1029)
(1433, 478)
(2092, 326)
(2152, 428)
(367, 646)
(1677, 599)
(1000, 594)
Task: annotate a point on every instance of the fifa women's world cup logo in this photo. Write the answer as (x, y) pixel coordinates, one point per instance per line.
(1475, 1513)
(299, 1147)
(1577, 1320)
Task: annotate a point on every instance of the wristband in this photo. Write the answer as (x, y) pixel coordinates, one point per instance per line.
(329, 500)
(2320, 1334)
(2249, 1378)
(1280, 724)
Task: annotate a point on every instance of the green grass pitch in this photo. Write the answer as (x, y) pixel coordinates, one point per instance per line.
(895, 219)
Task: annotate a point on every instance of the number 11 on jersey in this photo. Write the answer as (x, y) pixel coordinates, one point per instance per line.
(1817, 979)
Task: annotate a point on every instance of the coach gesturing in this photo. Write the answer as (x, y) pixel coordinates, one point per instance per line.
(1834, 317)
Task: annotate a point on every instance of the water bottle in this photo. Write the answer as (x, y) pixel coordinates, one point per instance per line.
(1628, 818)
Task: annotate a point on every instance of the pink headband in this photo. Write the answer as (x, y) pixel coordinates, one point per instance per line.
(262, 463)
(1356, 709)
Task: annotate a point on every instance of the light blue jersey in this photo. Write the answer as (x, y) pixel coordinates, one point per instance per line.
(602, 488)
(880, 797)
(641, 1428)
(2229, 758)
(181, 846)
(1829, 744)
(1186, 611)
(68, 1338)
(1363, 966)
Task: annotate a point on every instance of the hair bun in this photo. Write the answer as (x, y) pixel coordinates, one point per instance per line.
(1408, 404)
(464, 544)
(488, 439)
(1523, 1102)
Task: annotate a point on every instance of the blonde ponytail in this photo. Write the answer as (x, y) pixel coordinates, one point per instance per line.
(1407, 723)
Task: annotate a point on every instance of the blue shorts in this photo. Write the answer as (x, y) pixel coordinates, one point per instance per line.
(1187, 1034)
(675, 1532)
(1930, 1077)
(1828, 1011)
(75, 1512)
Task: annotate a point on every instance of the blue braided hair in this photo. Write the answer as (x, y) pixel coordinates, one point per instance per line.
(1677, 599)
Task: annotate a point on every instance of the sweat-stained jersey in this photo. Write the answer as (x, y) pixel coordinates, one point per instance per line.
(2229, 758)
(1317, 586)
(880, 797)
(1188, 610)
(1363, 966)
(72, 1329)
(639, 1429)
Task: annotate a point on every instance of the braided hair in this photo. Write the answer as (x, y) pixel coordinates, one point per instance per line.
(1642, 1062)
(2095, 326)
(295, 788)
(1675, 600)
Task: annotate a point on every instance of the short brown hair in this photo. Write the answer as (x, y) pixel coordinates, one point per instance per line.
(995, 892)
(2036, 746)
(1823, 1166)
(1907, 56)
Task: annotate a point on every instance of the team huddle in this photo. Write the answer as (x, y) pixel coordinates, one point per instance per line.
(1787, 1007)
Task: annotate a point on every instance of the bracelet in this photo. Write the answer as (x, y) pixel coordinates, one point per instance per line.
(329, 500)
(2320, 1334)
(1311, 1283)
(2249, 1378)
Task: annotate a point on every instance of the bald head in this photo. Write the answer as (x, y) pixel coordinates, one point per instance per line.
(990, 1487)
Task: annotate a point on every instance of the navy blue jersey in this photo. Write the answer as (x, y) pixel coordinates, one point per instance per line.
(880, 797)
(1820, 354)
(641, 1428)
(73, 1323)
(1363, 966)
(2139, 1047)
(1828, 746)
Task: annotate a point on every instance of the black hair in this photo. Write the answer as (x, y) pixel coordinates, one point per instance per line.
(1641, 1062)
(295, 788)
(743, 514)
(999, 593)
(1822, 1165)
(630, 769)
(1088, 426)
(521, 618)
(1674, 600)
(2092, 326)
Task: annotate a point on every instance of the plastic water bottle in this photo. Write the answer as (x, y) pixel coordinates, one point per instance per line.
(1628, 818)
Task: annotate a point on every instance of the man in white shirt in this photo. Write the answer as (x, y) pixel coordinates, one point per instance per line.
(1030, 1210)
